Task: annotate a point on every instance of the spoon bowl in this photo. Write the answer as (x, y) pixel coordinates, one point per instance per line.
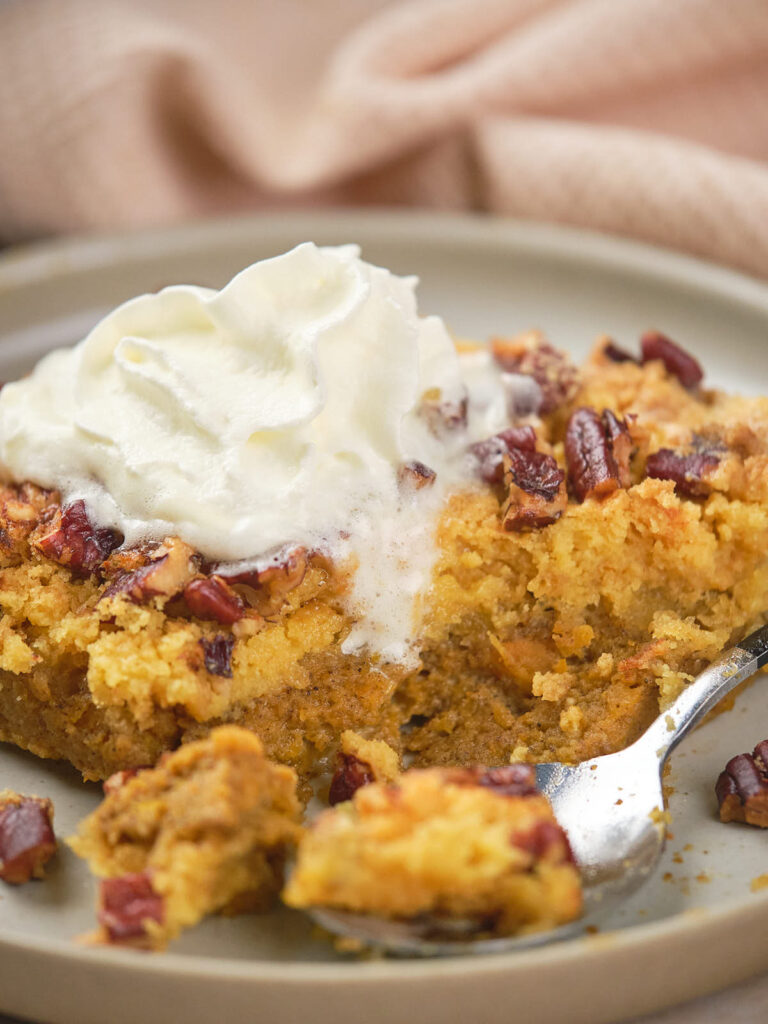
(612, 808)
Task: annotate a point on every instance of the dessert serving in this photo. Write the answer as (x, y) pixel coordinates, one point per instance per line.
(293, 526)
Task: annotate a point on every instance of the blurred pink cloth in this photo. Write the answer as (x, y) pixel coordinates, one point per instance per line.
(647, 118)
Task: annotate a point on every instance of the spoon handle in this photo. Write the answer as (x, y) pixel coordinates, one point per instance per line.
(707, 689)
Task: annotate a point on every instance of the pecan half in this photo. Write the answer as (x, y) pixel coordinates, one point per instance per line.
(27, 841)
(531, 355)
(267, 588)
(742, 789)
(415, 475)
(211, 598)
(507, 780)
(689, 472)
(126, 904)
(168, 568)
(546, 840)
(536, 495)
(490, 453)
(351, 774)
(597, 451)
(217, 652)
(71, 539)
(677, 361)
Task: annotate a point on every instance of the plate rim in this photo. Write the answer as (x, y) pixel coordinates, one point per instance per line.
(31, 262)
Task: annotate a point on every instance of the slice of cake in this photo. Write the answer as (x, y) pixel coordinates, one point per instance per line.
(471, 844)
(206, 831)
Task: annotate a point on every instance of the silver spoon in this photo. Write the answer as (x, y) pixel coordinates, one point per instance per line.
(611, 807)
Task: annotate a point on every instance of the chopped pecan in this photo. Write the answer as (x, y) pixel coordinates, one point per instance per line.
(351, 774)
(742, 789)
(620, 442)
(267, 588)
(546, 840)
(127, 560)
(217, 652)
(677, 361)
(169, 567)
(597, 450)
(490, 453)
(443, 416)
(689, 472)
(71, 539)
(415, 475)
(211, 598)
(21, 510)
(531, 355)
(537, 495)
(507, 780)
(127, 903)
(27, 841)
(616, 354)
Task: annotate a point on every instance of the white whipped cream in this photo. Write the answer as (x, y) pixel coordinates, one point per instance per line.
(274, 411)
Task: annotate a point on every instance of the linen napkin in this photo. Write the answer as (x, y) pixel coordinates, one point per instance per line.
(646, 118)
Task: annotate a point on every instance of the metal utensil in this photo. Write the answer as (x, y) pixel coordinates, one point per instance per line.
(612, 809)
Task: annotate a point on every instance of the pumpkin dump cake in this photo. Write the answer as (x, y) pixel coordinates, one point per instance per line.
(384, 852)
(206, 830)
(295, 506)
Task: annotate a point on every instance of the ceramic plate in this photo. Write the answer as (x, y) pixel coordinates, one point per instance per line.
(695, 927)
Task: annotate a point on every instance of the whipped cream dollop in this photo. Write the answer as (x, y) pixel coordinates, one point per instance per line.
(277, 410)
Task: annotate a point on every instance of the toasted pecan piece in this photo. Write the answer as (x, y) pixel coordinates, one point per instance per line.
(350, 774)
(490, 452)
(267, 588)
(536, 490)
(620, 442)
(677, 361)
(689, 471)
(532, 355)
(217, 654)
(22, 509)
(72, 540)
(211, 598)
(359, 762)
(415, 475)
(166, 570)
(742, 788)
(27, 841)
(126, 905)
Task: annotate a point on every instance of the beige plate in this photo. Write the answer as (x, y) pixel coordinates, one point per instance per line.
(692, 932)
